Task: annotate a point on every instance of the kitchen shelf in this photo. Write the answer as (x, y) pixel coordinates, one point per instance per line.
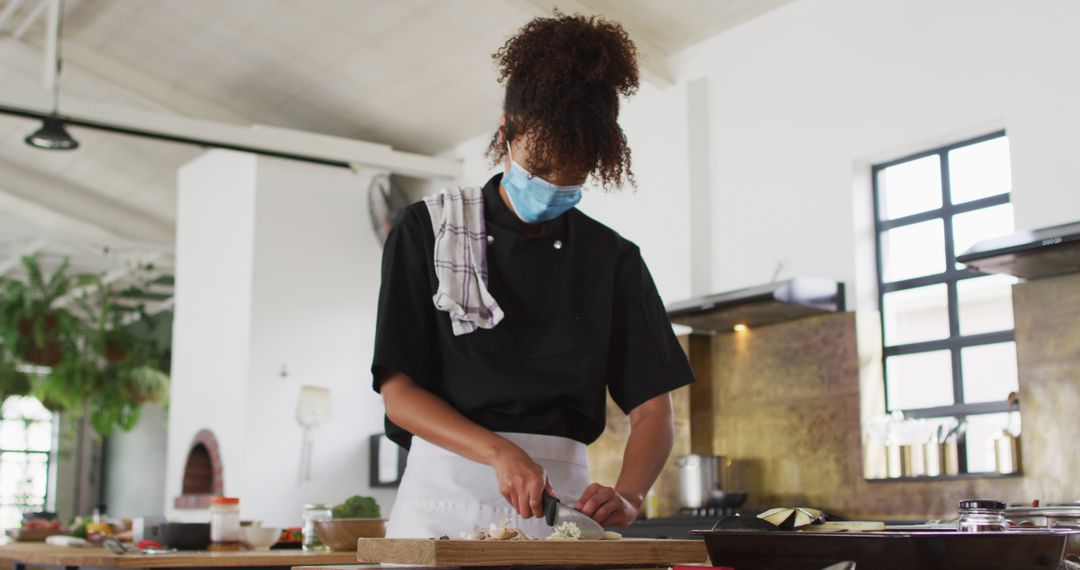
(960, 477)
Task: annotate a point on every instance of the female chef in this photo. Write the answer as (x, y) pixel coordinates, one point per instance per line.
(496, 416)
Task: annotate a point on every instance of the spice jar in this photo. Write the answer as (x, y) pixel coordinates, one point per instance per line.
(224, 519)
(313, 513)
(982, 516)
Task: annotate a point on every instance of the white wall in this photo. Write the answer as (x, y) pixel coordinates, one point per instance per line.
(276, 265)
(212, 315)
(316, 283)
(657, 215)
(806, 96)
(134, 467)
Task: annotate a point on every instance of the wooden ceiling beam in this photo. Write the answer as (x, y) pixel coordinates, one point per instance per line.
(83, 204)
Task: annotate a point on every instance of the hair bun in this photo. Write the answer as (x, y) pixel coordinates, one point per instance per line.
(566, 49)
(563, 78)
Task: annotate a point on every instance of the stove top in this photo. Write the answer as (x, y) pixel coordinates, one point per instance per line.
(708, 512)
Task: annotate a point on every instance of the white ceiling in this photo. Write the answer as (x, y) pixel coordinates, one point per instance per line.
(415, 74)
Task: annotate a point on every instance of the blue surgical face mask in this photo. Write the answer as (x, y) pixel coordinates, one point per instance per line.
(535, 199)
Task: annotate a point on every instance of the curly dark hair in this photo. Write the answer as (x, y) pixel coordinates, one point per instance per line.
(563, 78)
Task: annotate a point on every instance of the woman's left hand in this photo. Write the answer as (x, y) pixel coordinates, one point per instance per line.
(608, 506)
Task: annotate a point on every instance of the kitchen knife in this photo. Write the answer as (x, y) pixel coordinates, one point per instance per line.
(556, 513)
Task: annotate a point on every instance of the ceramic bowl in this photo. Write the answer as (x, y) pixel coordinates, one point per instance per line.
(341, 534)
(260, 537)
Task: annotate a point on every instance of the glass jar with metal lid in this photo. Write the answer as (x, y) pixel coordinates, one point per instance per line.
(224, 519)
(982, 516)
(313, 513)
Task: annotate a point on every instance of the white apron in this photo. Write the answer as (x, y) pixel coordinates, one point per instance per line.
(445, 494)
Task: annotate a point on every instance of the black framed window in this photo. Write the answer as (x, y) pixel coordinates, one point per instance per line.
(27, 438)
(947, 329)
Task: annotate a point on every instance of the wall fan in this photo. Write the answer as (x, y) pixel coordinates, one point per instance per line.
(386, 202)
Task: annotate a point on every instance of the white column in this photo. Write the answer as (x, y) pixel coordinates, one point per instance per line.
(277, 270)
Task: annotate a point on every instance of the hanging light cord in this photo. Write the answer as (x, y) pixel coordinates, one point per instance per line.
(59, 47)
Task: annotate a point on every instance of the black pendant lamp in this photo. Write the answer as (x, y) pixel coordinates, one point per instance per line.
(52, 135)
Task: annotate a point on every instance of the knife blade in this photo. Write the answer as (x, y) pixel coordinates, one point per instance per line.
(556, 513)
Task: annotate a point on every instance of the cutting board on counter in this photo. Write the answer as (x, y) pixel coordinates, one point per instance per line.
(433, 552)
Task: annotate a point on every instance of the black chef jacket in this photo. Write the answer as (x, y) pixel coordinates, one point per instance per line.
(582, 317)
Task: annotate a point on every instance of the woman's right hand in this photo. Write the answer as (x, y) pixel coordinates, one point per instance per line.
(522, 481)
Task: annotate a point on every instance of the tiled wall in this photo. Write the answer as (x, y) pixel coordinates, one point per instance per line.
(786, 400)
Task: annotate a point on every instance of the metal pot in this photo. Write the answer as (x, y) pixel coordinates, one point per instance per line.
(699, 477)
(1065, 516)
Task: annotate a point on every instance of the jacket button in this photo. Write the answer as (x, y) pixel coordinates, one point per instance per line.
(557, 244)
(491, 239)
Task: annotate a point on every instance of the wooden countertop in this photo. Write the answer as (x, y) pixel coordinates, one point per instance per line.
(96, 556)
(396, 567)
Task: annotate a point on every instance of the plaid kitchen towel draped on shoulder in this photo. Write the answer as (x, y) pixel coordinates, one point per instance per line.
(457, 218)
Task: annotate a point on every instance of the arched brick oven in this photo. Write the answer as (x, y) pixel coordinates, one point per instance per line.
(202, 473)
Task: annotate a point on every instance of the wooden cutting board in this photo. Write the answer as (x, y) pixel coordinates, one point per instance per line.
(844, 526)
(432, 552)
(32, 535)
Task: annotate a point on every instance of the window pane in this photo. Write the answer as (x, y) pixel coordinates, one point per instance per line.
(910, 188)
(23, 478)
(980, 170)
(10, 517)
(25, 407)
(920, 380)
(13, 435)
(913, 251)
(916, 315)
(39, 436)
(985, 304)
(982, 430)
(989, 372)
(971, 227)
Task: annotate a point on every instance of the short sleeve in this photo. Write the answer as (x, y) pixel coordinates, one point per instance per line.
(645, 359)
(404, 330)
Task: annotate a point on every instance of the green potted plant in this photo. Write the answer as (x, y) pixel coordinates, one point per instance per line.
(13, 382)
(95, 362)
(32, 324)
(115, 369)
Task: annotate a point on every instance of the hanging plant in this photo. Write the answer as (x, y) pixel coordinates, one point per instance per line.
(99, 365)
(12, 381)
(34, 326)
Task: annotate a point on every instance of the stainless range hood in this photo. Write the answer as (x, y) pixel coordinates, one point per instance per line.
(1029, 254)
(759, 306)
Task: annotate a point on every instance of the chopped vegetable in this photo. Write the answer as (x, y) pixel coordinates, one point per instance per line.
(42, 524)
(357, 507)
(79, 531)
(502, 531)
(566, 530)
(291, 534)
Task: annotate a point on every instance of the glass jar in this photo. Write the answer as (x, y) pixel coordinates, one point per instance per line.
(313, 513)
(982, 516)
(224, 519)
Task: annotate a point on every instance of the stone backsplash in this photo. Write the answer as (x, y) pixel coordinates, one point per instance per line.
(785, 400)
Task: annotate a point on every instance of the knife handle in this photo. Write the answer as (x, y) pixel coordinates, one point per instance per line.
(551, 508)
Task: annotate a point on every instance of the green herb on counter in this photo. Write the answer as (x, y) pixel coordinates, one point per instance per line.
(357, 507)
